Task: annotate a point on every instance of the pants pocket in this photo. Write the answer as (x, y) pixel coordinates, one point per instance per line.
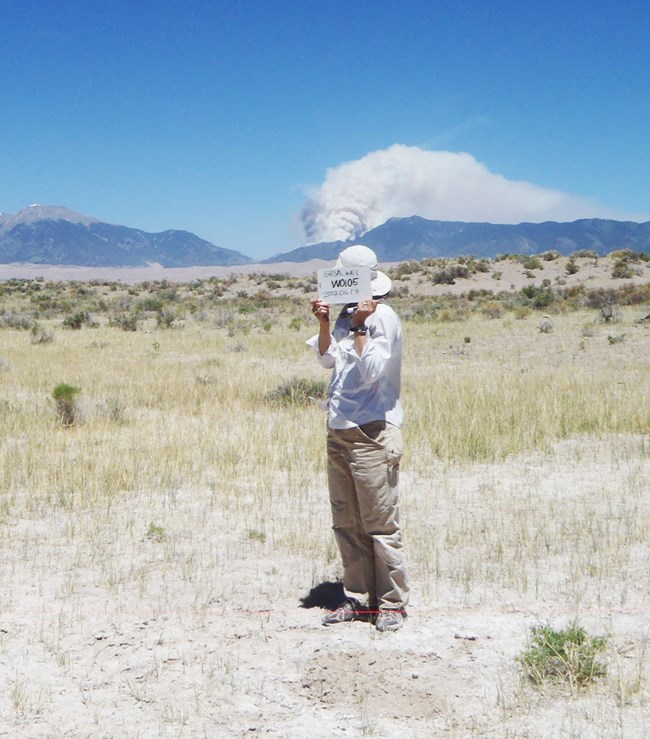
(394, 444)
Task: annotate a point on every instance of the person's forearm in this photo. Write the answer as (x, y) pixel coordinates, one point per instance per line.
(324, 337)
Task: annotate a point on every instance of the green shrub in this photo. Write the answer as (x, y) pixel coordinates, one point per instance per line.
(538, 297)
(572, 266)
(125, 321)
(65, 400)
(166, 318)
(563, 656)
(622, 270)
(76, 320)
(155, 305)
(532, 262)
(450, 274)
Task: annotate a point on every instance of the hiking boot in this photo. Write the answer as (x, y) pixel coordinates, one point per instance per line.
(390, 619)
(349, 610)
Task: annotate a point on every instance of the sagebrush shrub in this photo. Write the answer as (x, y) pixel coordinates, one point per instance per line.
(298, 391)
(40, 335)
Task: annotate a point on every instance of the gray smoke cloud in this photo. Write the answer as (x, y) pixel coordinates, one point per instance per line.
(403, 181)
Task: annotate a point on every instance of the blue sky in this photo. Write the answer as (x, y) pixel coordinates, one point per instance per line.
(228, 118)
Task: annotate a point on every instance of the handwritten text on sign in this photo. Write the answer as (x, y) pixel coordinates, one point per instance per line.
(344, 284)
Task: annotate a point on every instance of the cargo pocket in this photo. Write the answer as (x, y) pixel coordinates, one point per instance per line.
(394, 452)
(394, 445)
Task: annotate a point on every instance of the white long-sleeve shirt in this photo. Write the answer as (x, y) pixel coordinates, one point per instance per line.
(364, 388)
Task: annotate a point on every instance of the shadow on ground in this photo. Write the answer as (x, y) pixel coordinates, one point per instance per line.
(328, 595)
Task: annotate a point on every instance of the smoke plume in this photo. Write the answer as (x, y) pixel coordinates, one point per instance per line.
(403, 181)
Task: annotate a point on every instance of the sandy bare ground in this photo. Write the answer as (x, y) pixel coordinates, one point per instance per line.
(106, 631)
(131, 275)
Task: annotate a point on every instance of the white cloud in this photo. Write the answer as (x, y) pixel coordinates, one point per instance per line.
(403, 181)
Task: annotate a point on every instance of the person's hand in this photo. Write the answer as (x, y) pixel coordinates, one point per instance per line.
(364, 309)
(321, 310)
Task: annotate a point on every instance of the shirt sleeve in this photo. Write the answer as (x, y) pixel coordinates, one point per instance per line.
(327, 360)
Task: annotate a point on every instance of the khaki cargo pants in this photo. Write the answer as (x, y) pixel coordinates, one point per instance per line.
(363, 475)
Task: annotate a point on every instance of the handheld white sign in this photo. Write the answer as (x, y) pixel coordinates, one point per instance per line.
(344, 284)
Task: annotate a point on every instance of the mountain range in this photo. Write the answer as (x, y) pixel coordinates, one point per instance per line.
(401, 239)
(58, 236)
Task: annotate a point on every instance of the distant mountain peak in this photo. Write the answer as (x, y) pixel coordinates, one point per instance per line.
(53, 234)
(36, 212)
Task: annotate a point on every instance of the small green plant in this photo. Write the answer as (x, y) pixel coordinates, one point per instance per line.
(65, 400)
(256, 535)
(563, 656)
(155, 532)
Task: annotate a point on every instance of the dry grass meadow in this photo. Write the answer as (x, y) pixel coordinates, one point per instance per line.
(155, 551)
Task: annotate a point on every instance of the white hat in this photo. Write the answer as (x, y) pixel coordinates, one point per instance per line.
(361, 256)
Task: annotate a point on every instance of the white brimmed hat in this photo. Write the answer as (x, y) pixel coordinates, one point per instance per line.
(361, 256)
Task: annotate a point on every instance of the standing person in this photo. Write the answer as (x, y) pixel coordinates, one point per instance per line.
(364, 448)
